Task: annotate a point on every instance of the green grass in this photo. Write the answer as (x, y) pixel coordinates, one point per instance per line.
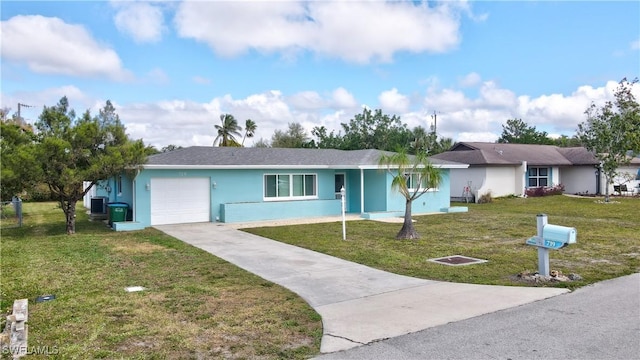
(196, 305)
(608, 241)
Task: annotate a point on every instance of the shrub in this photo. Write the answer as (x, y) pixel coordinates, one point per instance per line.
(38, 194)
(545, 191)
(485, 198)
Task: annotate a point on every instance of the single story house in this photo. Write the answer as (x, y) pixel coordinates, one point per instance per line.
(629, 176)
(509, 169)
(235, 184)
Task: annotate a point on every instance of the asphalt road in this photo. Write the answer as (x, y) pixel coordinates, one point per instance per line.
(599, 322)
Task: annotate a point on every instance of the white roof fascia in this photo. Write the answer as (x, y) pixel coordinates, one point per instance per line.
(231, 167)
(439, 166)
(275, 167)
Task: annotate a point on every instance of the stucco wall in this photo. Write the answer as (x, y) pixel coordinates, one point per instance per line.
(232, 186)
(459, 178)
(274, 210)
(353, 190)
(376, 189)
(238, 195)
(431, 201)
(578, 179)
(500, 181)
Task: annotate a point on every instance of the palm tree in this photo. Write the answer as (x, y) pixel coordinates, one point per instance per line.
(249, 129)
(413, 176)
(227, 131)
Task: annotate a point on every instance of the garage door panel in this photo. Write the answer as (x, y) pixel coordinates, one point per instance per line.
(180, 200)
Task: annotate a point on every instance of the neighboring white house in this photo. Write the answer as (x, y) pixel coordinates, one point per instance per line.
(509, 169)
(628, 175)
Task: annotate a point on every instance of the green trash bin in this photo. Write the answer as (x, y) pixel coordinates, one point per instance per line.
(117, 212)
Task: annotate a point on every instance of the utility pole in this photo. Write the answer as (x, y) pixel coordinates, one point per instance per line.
(435, 122)
(20, 106)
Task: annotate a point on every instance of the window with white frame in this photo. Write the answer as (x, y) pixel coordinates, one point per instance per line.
(290, 186)
(413, 179)
(538, 176)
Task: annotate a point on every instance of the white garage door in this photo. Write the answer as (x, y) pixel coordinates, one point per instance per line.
(182, 200)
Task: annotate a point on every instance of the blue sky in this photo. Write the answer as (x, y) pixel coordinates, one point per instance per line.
(172, 67)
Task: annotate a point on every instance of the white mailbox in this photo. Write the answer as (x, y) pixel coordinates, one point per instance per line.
(563, 234)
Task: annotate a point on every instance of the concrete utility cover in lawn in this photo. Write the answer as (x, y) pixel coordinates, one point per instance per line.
(358, 304)
(457, 260)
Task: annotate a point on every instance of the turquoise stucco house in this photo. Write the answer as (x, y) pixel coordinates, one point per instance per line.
(230, 185)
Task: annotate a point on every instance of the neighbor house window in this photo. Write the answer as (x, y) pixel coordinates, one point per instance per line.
(412, 182)
(119, 185)
(538, 177)
(290, 186)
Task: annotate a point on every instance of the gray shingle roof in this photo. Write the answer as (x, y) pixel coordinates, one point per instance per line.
(255, 157)
(476, 153)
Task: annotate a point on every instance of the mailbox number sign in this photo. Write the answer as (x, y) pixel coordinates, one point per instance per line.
(549, 244)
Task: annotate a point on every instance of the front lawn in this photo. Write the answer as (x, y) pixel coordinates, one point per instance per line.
(608, 241)
(196, 305)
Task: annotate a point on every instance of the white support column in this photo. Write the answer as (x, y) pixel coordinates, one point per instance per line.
(361, 191)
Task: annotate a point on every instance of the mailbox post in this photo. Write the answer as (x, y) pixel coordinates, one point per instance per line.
(543, 252)
(343, 202)
(549, 237)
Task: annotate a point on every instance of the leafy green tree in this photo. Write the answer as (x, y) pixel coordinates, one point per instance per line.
(19, 169)
(565, 141)
(517, 131)
(170, 147)
(250, 128)
(443, 144)
(262, 143)
(413, 176)
(422, 140)
(612, 131)
(228, 130)
(70, 150)
(294, 137)
(375, 130)
(326, 140)
(428, 142)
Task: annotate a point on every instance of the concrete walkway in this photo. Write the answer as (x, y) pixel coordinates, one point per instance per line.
(358, 304)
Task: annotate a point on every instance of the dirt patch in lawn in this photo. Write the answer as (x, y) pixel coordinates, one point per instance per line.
(138, 248)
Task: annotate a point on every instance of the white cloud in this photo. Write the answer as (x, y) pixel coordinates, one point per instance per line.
(158, 76)
(307, 100)
(393, 102)
(493, 96)
(327, 28)
(477, 137)
(142, 21)
(470, 80)
(48, 45)
(461, 117)
(201, 80)
(635, 45)
(343, 99)
(446, 100)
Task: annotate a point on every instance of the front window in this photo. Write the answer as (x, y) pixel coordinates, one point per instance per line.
(290, 186)
(538, 177)
(412, 181)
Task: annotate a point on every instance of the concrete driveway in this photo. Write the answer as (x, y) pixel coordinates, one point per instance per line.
(358, 304)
